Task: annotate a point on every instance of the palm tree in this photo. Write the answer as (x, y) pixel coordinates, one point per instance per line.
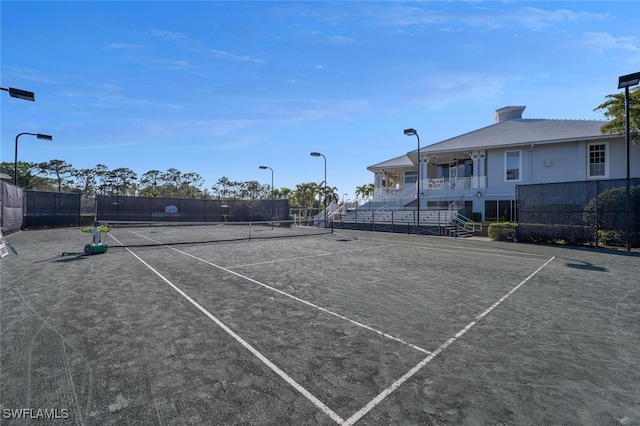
(284, 193)
(331, 195)
(305, 195)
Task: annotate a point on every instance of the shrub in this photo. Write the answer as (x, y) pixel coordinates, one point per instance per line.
(607, 212)
(555, 233)
(611, 238)
(86, 219)
(502, 231)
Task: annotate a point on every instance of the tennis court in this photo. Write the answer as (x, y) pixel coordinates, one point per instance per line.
(350, 327)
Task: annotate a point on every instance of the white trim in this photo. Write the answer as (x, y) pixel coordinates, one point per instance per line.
(606, 160)
(519, 151)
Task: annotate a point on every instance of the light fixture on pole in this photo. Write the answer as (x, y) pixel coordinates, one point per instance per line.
(413, 132)
(15, 164)
(324, 201)
(20, 94)
(625, 82)
(273, 216)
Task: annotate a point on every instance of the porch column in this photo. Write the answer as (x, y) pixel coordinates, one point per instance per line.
(379, 189)
(423, 174)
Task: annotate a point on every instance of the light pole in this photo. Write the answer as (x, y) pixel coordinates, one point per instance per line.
(413, 132)
(625, 82)
(272, 194)
(324, 200)
(20, 94)
(15, 163)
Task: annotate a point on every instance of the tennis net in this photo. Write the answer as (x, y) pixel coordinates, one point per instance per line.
(146, 234)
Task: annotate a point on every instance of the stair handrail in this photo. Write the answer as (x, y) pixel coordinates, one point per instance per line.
(465, 223)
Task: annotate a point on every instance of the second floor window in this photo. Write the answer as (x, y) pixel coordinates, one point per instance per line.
(598, 160)
(410, 177)
(512, 165)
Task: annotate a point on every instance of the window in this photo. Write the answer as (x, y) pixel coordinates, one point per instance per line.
(512, 165)
(443, 171)
(598, 160)
(500, 210)
(410, 177)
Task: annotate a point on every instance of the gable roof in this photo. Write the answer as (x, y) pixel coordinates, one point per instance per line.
(520, 132)
(399, 162)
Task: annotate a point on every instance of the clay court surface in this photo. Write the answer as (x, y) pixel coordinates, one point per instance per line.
(353, 327)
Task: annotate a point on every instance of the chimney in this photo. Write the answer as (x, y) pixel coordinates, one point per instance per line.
(508, 113)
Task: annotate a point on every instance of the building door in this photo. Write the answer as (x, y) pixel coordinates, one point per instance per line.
(453, 174)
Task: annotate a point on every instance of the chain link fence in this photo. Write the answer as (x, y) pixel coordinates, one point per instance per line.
(11, 207)
(149, 209)
(51, 209)
(599, 212)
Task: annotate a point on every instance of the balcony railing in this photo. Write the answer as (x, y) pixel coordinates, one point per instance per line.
(428, 185)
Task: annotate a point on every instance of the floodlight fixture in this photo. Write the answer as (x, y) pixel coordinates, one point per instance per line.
(20, 94)
(15, 164)
(629, 80)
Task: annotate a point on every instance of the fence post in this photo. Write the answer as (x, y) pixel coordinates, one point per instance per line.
(393, 229)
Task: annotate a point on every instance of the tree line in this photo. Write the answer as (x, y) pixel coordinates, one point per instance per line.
(60, 176)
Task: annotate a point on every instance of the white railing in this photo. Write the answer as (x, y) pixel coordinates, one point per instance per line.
(408, 192)
(332, 210)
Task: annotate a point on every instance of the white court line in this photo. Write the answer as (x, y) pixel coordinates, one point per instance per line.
(289, 259)
(385, 393)
(456, 249)
(244, 343)
(306, 302)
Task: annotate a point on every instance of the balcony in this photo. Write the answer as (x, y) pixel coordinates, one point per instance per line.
(431, 186)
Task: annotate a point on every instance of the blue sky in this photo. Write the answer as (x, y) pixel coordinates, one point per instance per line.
(220, 88)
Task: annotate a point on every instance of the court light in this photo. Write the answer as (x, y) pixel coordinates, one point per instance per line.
(20, 94)
(413, 132)
(624, 82)
(628, 80)
(273, 216)
(15, 164)
(324, 201)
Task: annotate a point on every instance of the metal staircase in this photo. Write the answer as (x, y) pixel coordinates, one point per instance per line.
(462, 227)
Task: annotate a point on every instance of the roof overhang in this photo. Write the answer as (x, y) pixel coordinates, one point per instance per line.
(426, 151)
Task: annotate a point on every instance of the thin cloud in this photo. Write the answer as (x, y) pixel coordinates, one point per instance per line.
(441, 92)
(480, 16)
(296, 111)
(123, 46)
(328, 38)
(339, 39)
(234, 57)
(162, 63)
(31, 75)
(534, 18)
(600, 41)
(167, 35)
